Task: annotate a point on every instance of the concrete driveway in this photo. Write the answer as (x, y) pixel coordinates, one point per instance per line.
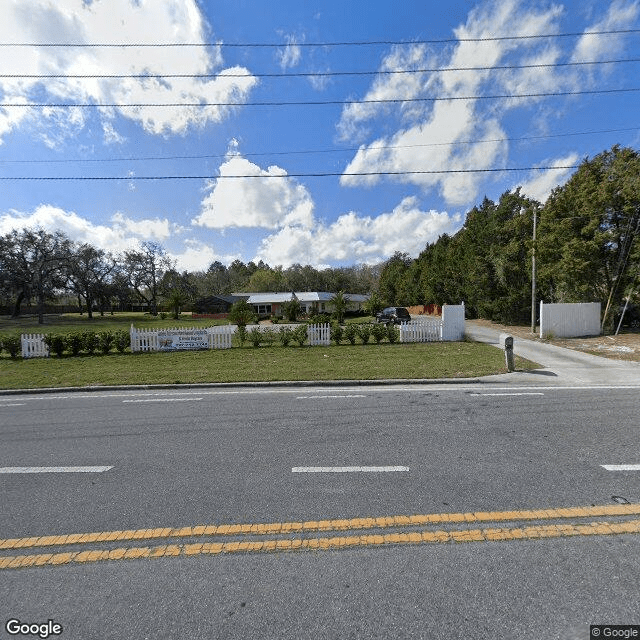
(561, 366)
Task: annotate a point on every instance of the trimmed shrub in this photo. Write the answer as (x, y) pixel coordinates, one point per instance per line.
(336, 332)
(242, 313)
(89, 341)
(241, 332)
(300, 334)
(285, 335)
(318, 318)
(378, 332)
(105, 341)
(75, 342)
(12, 344)
(393, 334)
(121, 339)
(256, 337)
(351, 333)
(56, 343)
(269, 336)
(364, 332)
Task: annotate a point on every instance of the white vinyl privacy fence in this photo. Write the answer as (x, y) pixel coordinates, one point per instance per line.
(448, 328)
(570, 320)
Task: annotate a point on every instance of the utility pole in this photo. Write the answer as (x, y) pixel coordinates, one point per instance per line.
(533, 273)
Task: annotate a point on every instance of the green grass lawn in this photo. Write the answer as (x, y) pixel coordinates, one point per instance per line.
(75, 322)
(248, 364)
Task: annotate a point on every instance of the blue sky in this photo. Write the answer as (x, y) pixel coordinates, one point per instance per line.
(441, 120)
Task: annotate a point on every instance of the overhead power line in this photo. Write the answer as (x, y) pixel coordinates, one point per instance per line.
(290, 175)
(361, 43)
(315, 151)
(274, 103)
(302, 74)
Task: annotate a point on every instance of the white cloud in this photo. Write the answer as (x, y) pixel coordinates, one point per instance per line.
(353, 238)
(122, 234)
(619, 15)
(261, 201)
(542, 182)
(197, 256)
(434, 136)
(117, 21)
(290, 55)
(159, 229)
(50, 218)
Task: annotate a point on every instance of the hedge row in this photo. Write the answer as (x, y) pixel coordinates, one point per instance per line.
(339, 334)
(75, 342)
(90, 342)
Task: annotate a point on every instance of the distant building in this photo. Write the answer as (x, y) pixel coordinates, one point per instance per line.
(310, 301)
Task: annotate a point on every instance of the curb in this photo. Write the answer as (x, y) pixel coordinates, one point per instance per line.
(249, 385)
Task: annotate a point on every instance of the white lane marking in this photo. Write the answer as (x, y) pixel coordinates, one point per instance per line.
(621, 467)
(381, 388)
(13, 404)
(165, 400)
(336, 396)
(54, 469)
(347, 469)
(508, 394)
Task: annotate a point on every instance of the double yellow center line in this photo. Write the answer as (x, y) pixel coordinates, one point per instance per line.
(300, 535)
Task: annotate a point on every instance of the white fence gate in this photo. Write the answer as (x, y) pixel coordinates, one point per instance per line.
(449, 328)
(209, 338)
(570, 320)
(319, 335)
(33, 345)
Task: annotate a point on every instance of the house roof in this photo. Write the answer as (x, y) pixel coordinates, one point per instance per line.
(303, 296)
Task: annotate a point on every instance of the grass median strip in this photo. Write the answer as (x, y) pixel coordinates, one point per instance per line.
(402, 531)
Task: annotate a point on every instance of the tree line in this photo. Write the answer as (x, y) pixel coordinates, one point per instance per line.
(586, 248)
(37, 266)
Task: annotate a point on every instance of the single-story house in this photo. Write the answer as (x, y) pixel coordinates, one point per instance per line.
(310, 301)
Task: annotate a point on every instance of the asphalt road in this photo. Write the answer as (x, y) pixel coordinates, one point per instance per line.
(202, 457)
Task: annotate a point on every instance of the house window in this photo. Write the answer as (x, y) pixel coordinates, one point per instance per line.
(322, 307)
(262, 309)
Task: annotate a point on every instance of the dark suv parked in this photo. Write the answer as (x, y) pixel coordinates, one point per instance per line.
(393, 315)
(631, 316)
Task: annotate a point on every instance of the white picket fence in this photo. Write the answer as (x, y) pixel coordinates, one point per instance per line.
(275, 327)
(421, 331)
(33, 345)
(147, 339)
(319, 335)
(449, 328)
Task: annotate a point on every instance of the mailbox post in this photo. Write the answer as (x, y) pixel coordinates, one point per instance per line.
(506, 342)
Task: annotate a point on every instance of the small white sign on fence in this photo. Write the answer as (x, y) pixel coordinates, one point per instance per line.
(183, 340)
